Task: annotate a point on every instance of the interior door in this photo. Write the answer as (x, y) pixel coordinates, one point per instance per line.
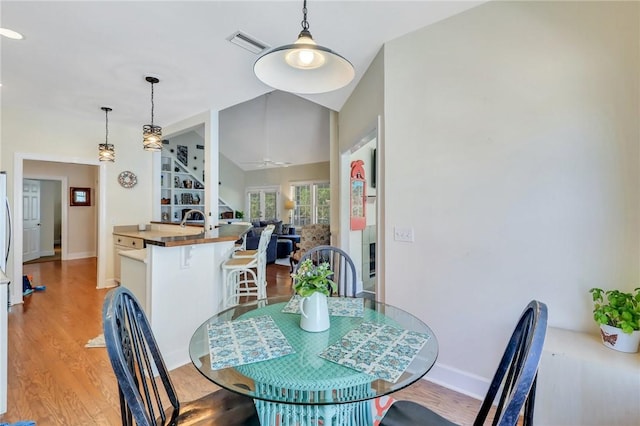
(31, 219)
(263, 203)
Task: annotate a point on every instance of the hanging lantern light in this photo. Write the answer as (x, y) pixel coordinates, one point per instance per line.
(106, 151)
(152, 135)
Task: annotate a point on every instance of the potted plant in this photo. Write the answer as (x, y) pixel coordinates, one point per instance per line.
(618, 314)
(313, 284)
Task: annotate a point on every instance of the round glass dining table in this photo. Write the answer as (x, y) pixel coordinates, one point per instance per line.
(258, 349)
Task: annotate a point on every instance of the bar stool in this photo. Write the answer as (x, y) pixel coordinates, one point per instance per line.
(239, 277)
(253, 253)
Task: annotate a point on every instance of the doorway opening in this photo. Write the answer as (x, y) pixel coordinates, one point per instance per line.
(42, 219)
(23, 167)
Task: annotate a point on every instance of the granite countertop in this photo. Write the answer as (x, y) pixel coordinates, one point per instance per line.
(166, 237)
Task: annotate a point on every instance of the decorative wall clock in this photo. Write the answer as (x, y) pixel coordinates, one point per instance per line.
(127, 179)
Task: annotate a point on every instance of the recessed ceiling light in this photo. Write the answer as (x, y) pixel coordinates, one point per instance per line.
(11, 34)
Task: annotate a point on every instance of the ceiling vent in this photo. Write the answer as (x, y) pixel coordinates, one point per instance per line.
(247, 42)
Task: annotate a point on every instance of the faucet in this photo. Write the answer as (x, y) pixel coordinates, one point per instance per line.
(186, 216)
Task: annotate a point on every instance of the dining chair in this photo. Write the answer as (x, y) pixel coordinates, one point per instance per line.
(512, 388)
(344, 271)
(146, 400)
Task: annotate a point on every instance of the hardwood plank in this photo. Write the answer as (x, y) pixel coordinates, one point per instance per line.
(54, 380)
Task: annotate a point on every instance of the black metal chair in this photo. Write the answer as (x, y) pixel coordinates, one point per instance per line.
(136, 359)
(512, 387)
(344, 272)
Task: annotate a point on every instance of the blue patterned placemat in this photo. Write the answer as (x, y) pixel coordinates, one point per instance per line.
(380, 350)
(338, 306)
(260, 340)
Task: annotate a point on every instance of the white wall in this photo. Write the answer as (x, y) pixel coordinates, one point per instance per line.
(191, 139)
(56, 134)
(231, 178)
(357, 120)
(512, 149)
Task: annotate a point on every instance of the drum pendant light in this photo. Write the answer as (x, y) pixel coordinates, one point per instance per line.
(304, 67)
(106, 150)
(152, 135)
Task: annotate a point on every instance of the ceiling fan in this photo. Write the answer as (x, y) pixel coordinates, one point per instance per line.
(266, 161)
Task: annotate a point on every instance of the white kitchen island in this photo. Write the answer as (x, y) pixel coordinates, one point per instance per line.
(182, 283)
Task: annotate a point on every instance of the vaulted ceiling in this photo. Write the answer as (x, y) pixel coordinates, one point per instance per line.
(79, 56)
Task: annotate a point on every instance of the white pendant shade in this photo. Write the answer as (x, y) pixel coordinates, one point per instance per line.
(327, 71)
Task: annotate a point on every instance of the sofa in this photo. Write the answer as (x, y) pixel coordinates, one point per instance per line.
(253, 239)
(281, 231)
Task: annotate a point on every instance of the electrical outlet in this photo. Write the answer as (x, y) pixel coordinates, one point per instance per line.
(403, 234)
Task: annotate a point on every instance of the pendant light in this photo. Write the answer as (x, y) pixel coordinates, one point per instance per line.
(152, 135)
(106, 151)
(304, 67)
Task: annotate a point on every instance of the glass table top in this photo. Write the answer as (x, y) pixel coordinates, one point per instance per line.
(301, 376)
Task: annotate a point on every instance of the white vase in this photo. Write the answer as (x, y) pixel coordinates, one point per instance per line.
(314, 313)
(615, 338)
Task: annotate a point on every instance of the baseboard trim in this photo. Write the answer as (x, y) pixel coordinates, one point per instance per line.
(45, 253)
(109, 283)
(80, 255)
(459, 381)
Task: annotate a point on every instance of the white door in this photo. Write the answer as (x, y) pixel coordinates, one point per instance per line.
(263, 203)
(31, 219)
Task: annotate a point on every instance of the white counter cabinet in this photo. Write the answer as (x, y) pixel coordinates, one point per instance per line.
(133, 272)
(581, 382)
(120, 244)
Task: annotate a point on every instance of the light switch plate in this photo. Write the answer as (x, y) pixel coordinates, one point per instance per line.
(403, 234)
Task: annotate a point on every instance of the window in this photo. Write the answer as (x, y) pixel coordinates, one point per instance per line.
(312, 203)
(263, 203)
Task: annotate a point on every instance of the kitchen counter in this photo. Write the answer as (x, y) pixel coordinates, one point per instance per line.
(175, 274)
(166, 235)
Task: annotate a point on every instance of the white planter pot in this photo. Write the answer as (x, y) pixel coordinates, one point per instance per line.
(615, 338)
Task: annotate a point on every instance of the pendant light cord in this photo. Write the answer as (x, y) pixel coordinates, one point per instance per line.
(152, 105)
(304, 23)
(106, 132)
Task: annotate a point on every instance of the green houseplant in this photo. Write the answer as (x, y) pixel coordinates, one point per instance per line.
(616, 311)
(313, 284)
(309, 279)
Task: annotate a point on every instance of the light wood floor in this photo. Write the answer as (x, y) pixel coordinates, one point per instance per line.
(54, 380)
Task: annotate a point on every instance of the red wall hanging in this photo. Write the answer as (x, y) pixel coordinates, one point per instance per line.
(358, 189)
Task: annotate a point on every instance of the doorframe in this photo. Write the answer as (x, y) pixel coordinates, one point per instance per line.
(64, 195)
(18, 169)
(344, 171)
(262, 189)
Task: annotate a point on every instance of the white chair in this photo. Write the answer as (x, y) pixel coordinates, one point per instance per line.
(247, 276)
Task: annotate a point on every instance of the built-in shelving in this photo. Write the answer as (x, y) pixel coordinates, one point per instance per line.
(180, 189)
